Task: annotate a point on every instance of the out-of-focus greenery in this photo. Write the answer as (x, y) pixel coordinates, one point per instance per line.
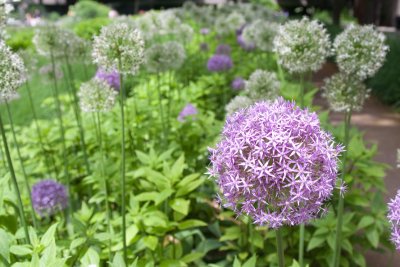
(88, 9)
(90, 27)
(20, 38)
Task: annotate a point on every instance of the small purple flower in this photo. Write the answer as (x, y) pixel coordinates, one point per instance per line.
(275, 163)
(394, 219)
(223, 49)
(244, 45)
(49, 197)
(219, 63)
(204, 31)
(188, 110)
(112, 78)
(239, 31)
(238, 83)
(204, 47)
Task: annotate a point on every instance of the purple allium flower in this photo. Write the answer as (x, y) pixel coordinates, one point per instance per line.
(112, 78)
(223, 49)
(204, 31)
(219, 63)
(238, 83)
(48, 197)
(188, 110)
(394, 219)
(245, 45)
(275, 163)
(204, 47)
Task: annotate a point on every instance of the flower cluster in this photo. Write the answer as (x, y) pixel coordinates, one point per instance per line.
(247, 46)
(12, 72)
(344, 92)
(163, 57)
(223, 49)
(237, 103)
(238, 83)
(219, 63)
(302, 45)
(188, 110)
(111, 77)
(394, 219)
(5, 9)
(262, 85)
(49, 197)
(96, 96)
(275, 164)
(360, 51)
(261, 33)
(119, 47)
(226, 25)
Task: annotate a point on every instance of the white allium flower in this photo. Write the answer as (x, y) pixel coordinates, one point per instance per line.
(185, 33)
(225, 25)
(238, 102)
(47, 40)
(163, 57)
(261, 33)
(120, 47)
(12, 72)
(262, 85)
(360, 50)
(5, 9)
(302, 45)
(96, 96)
(344, 92)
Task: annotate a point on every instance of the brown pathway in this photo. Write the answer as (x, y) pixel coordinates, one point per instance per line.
(381, 125)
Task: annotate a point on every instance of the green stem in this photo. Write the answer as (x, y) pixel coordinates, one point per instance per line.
(302, 91)
(161, 107)
(28, 188)
(123, 211)
(3, 157)
(15, 183)
(301, 245)
(338, 238)
(279, 247)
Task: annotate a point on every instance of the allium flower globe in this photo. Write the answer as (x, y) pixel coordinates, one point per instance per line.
(302, 45)
(262, 85)
(360, 51)
(96, 96)
(188, 110)
(12, 72)
(163, 57)
(261, 33)
(275, 164)
(394, 219)
(345, 93)
(247, 46)
(120, 47)
(112, 78)
(218, 63)
(237, 103)
(49, 197)
(238, 83)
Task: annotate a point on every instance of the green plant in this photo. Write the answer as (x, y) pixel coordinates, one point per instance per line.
(90, 27)
(88, 9)
(20, 38)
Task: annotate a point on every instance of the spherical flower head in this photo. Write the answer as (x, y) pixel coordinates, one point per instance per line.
(394, 219)
(49, 40)
(49, 197)
(204, 31)
(184, 33)
(302, 45)
(223, 49)
(226, 25)
(120, 47)
(261, 33)
(247, 46)
(360, 51)
(12, 72)
(96, 96)
(275, 164)
(188, 110)
(237, 103)
(5, 9)
(219, 63)
(238, 83)
(262, 85)
(162, 57)
(345, 93)
(112, 78)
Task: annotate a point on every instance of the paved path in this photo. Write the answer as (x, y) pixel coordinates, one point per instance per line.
(381, 125)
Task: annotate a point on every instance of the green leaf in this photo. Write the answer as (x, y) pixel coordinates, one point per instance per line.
(20, 250)
(77, 242)
(4, 244)
(180, 205)
(251, 262)
(373, 237)
(231, 233)
(143, 157)
(188, 184)
(48, 237)
(151, 242)
(236, 262)
(190, 224)
(91, 257)
(316, 241)
(188, 258)
(177, 168)
(131, 233)
(365, 221)
(158, 179)
(171, 263)
(118, 260)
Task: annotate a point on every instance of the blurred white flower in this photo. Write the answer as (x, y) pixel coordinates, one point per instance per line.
(262, 85)
(163, 57)
(96, 96)
(237, 103)
(261, 33)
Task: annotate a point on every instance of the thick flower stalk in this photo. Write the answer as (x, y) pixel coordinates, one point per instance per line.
(360, 51)
(259, 33)
(262, 85)
(219, 63)
(49, 197)
(302, 45)
(345, 93)
(394, 219)
(120, 47)
(96, 95)
(188, 111)
(275, 164)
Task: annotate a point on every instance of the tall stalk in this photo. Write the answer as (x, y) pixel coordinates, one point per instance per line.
(123, 208)
(62, 131)
(338, 237)
(77, 112)
(28, 188)
(160, 106)
(14, 182)
(3, 159)
(279, 246)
